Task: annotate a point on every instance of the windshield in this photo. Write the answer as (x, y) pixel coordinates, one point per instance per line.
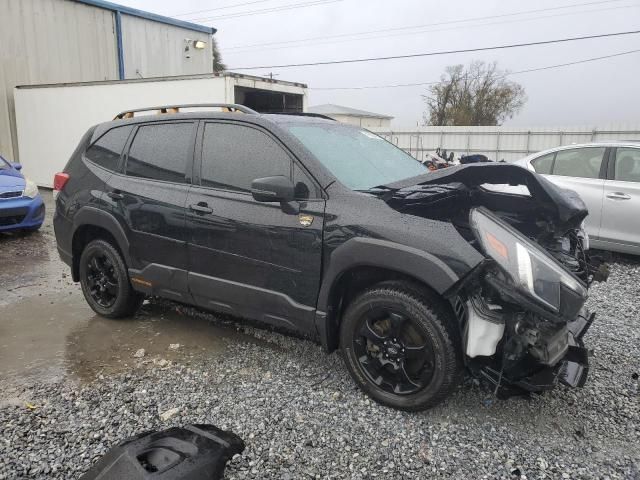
(359, 159)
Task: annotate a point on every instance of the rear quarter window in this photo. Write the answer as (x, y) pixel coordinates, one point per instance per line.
(543, 164)
(107, 150)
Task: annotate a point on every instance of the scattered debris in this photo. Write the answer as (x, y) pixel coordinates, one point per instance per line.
(195, 451)
(166, 415)
(174, 346)
(139, 353)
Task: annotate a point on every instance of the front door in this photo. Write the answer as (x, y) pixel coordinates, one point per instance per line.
(621, 205)
(253, 259)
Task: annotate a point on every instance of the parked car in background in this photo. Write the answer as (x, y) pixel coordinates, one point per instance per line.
(21, 207)
(607, 177)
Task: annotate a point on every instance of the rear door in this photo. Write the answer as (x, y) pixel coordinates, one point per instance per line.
(621, 206)
(149, 198)
(580, 169)
(258, 260)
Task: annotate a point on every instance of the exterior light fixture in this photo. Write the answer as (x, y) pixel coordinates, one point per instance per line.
(199, 44)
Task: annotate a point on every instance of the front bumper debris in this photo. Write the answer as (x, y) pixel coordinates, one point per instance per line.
(571, 370)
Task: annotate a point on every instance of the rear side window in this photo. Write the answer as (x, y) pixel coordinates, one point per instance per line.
(579, 162)
(543, 164)
(627, 165)
(107, 149)
(234, 155)
(161, 152)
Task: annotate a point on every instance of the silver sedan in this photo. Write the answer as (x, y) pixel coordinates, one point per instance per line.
(607, 177)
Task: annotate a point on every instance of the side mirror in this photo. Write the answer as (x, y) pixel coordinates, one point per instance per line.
(17, 166)
(272, 189)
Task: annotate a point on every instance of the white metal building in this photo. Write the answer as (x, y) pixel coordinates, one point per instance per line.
(51, 119)
(62, 41)
(353, 116)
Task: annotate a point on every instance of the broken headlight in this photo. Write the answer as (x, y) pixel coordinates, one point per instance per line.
(532, 270)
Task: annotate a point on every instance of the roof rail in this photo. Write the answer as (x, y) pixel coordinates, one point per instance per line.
(306, 114)
(231, 107)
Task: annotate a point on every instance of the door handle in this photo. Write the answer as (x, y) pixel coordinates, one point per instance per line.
(618, 196)
(201, 207)
(115, 195)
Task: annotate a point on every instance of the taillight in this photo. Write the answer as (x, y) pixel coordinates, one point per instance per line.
(59, 181)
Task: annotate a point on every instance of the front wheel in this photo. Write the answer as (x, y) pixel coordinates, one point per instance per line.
(400, 346)
(105, 281)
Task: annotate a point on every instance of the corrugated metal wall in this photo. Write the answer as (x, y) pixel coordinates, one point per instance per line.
(64, 41)
(365, 122)
(498, 143)
(50, 41)
(153, 49)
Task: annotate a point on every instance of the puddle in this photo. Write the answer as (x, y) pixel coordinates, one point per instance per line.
(47, 330)
(49, 336)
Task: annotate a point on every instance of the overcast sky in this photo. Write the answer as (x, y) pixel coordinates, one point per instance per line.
(596, 93)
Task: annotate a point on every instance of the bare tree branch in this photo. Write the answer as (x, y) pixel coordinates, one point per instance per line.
(479, 94)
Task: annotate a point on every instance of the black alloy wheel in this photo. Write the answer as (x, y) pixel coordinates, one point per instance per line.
(105, 281)
(393, 353)
(400, 344)
(101, 279)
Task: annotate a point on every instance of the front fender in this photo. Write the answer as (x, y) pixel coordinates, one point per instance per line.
(359, 252)
(371, 252)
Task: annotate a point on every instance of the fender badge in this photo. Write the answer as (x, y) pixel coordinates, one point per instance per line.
(305, 220)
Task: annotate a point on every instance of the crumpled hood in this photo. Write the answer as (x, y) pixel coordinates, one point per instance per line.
(565, 206)
(11, 179)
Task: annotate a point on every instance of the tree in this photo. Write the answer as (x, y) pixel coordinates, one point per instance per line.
(218, 66)
(479, 94)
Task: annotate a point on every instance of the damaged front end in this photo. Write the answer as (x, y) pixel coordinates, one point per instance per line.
(521, 311)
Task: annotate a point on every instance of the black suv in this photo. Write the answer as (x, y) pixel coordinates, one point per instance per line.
(329, 230)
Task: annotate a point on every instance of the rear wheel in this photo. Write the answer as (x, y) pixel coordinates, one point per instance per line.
(400, 346)
(105, 281)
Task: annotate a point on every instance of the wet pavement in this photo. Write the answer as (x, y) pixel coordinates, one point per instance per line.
(47, 331)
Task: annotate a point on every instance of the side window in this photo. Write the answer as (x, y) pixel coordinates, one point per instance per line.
(543, 164)
(161, 152)
(234, 155)
(627, 165)
(107, 149)
(579, 162)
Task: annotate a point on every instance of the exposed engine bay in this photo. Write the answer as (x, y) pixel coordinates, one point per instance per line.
(521, 312)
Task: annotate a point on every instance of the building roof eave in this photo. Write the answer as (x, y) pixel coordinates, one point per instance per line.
(134, 12)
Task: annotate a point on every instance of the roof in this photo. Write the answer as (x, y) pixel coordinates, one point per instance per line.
(331, 109)
(198, 76)
(134, 12)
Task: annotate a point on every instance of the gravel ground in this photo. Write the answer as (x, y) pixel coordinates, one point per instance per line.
(301, 416)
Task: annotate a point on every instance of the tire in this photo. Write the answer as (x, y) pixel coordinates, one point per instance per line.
(426, 358)
(105, 281)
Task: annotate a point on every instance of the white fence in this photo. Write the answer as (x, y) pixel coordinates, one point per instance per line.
(499, 143)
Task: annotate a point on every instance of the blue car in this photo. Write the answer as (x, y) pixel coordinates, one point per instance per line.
(21, 206)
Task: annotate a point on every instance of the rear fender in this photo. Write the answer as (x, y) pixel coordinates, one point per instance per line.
(99, 218)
